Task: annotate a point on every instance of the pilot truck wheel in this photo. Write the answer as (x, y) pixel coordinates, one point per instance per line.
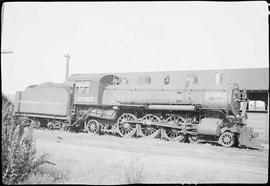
(227, 139)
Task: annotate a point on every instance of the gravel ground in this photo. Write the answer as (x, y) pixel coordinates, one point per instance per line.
(92, 159)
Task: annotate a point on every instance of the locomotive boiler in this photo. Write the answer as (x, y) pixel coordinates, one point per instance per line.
(191, 112)
(171, 97)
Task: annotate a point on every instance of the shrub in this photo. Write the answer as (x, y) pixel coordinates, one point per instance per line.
(18, 153)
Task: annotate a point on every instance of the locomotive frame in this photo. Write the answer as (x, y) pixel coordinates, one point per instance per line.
(103, 104)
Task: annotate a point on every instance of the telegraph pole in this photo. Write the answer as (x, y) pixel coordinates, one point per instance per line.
(67, 56)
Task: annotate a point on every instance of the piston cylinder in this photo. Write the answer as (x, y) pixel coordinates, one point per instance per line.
(210, 126)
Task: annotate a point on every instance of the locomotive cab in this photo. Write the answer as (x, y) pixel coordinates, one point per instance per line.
(90, 91)
(86, 92)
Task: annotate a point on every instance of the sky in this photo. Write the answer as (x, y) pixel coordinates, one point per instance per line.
(106, 37)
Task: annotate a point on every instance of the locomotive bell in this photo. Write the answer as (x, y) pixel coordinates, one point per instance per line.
(218, 78)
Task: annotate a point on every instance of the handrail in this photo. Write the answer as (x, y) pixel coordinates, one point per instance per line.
(89, 110)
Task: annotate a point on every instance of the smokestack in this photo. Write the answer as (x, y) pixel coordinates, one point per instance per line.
(218, 78)
(67, 65)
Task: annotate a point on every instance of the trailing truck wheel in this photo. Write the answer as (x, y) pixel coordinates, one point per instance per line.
(175, 134)
(125, 129)
(226, 139)
(146, 130)
(92, 126)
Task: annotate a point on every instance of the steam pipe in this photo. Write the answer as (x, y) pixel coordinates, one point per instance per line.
(172, 107)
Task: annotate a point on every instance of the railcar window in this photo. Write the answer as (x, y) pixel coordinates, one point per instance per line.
(144, 80)
(86, 90)
(166, 80)
(79, 90)
(83, 87)
(83, 90)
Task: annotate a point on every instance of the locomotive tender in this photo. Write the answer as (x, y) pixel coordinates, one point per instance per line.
(109, 104)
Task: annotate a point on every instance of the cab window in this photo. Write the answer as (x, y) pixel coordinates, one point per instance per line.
(83, 88)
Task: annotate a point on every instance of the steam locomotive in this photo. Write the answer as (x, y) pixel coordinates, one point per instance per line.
(110, 104)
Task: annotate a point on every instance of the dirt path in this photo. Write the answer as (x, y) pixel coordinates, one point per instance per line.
(116, 160)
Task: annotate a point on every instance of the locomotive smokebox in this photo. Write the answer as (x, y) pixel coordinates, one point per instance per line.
(218, 78)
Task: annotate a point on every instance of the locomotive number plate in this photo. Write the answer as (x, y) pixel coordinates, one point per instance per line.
(86, 99)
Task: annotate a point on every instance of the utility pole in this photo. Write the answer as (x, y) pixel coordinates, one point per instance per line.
(67, 56)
